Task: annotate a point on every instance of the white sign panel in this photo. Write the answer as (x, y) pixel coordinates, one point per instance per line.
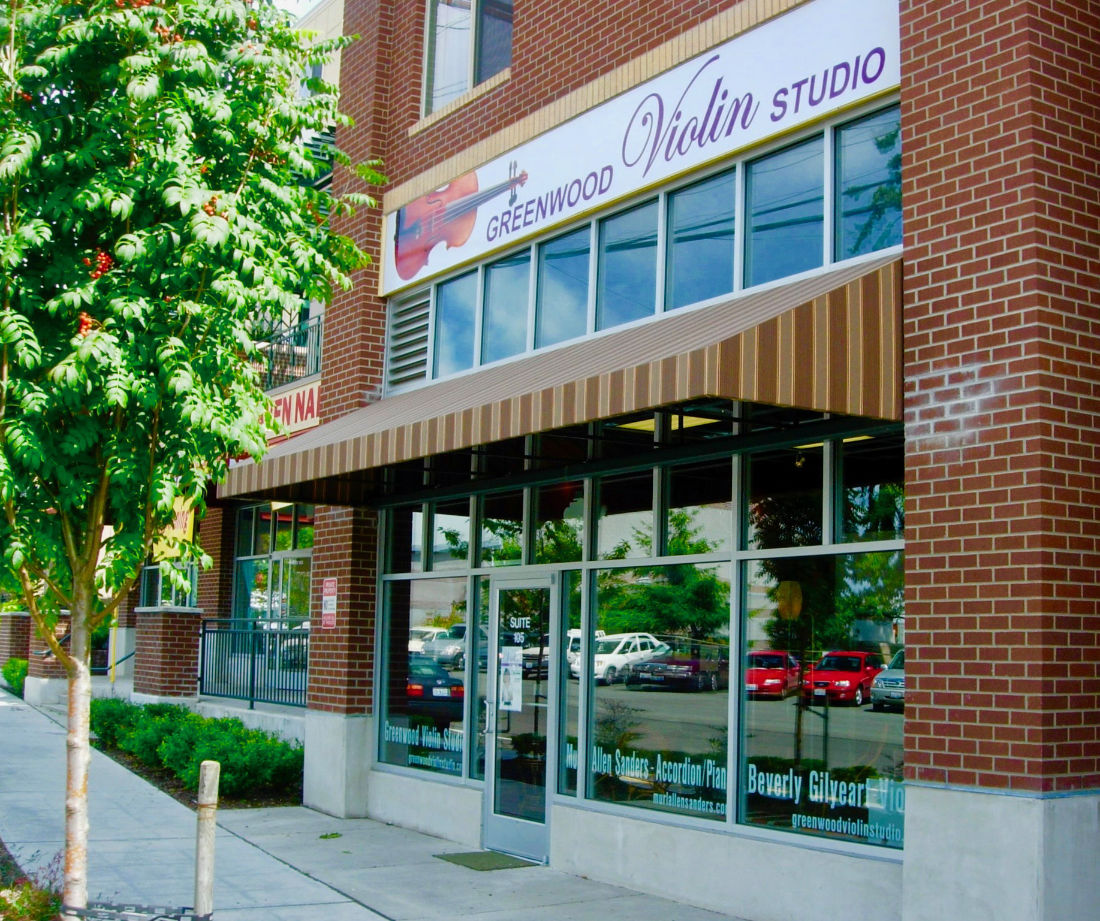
(510, 695)
(816, 59)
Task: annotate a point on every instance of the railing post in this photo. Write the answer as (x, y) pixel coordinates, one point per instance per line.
(252, 666)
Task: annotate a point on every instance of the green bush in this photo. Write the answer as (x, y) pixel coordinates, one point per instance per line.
(112, 719)
(15, 674)
(155, 723)
(169, 736)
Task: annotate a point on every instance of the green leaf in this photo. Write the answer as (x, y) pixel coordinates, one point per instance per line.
(144, 87)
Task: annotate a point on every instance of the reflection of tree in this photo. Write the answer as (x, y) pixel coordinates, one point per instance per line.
(884, 210)
(683, 599)
(875, 511)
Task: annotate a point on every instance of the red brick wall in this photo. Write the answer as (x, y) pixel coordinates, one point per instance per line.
(15, 636)
(166, 663)
(41, 662)
(217, 533)
(341, 659)
(1001, 335)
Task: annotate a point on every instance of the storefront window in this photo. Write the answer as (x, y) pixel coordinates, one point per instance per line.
(451, 535)
(873, 504)
(625, 528)
(272, 571)
(665, 630)
(406, 529)
(455, 309)
(627, 271)
(159, 589)
(699, 518)
(786, 203)
(700, 241)
(504, 321)
(424, 687)
(868, 184)
(559, 523)
(562, 309)
(817, 758)
(502, 529)
(786, 498)
(569, 647)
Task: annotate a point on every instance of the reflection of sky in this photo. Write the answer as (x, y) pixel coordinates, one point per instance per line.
(454, 329)
(786, 202)
(701, 241)
(450, 63)
(506, 297)
(864, 168)
(563, 289)
(628, 266)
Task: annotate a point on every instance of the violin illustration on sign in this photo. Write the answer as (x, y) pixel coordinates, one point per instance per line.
(446, 215)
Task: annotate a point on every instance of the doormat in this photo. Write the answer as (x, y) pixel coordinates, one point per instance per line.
(487, 860)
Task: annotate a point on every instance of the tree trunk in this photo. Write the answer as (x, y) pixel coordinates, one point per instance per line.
(78, 756)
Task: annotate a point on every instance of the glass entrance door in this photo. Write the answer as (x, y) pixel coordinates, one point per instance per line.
(519, 716)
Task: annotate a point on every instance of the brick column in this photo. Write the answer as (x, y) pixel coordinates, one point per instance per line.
(46, 680)
(339, 736)
(1003, 539)
(217, 532)
(15, 635)
(167, 659)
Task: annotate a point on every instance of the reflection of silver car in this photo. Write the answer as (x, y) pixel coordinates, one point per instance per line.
(888, 688)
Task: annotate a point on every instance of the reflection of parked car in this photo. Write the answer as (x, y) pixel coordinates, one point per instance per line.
(616, 655)
(449, 649)
(433, 693)
(684, 662)
(842, 676)
(418, 636)
(769, 673)
(536, 659)
(573, 647)
(888, 688)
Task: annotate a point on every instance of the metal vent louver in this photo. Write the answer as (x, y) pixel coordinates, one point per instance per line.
(407, 348)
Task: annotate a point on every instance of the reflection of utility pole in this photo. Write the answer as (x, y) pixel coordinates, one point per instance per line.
(804, 705)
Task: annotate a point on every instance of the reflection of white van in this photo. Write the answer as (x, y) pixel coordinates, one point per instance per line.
(616, 655)
(418, 636)
(573, 647)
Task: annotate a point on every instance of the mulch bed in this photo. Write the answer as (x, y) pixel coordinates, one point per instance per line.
(168, 783)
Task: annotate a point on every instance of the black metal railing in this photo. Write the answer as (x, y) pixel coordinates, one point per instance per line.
(291, 352)
(261, 661)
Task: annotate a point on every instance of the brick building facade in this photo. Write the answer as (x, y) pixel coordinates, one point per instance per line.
(745, 434)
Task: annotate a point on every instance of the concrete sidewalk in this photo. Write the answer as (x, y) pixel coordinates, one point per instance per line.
(282, 864)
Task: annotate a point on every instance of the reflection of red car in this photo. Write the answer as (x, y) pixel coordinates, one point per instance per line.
(769, 673)
(842, 676)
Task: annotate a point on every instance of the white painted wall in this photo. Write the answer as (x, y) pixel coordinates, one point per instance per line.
(447, 810)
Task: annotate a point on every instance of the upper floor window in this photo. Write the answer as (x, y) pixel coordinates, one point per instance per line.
(468, 41)
(830, 196)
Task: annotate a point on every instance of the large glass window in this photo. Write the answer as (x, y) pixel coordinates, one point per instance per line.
(504, 328)
(451, 534)
(872, 489)
(272, 571)
(699, 519)
(468, 42)
(502, 529)
(562, 303)
(665, 629)
(456, 313)
(819, 632)
(786, 225)
(868, 184)
(786, 496)
(424, 691)
(627, 272)
(625, 527)
(700, 241)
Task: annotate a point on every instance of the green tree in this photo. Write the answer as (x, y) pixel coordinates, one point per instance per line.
(158, 209)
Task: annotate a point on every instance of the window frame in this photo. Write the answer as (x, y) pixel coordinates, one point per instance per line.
(473, 56)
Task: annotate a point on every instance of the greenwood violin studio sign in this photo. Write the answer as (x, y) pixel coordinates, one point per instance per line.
(799, 67)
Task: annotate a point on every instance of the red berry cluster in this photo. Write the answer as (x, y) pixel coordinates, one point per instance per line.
(86, 325)
(167, 36)
(25, 96)
(104, 262)
(211, 207)
(133, 4)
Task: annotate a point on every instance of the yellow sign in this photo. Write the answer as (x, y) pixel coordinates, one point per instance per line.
(181, 528)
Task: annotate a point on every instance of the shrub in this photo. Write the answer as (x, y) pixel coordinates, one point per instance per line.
(154, 724)
(112, 719)
(15, 674)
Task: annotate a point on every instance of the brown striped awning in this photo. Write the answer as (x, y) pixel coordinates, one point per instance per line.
(829, 343)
